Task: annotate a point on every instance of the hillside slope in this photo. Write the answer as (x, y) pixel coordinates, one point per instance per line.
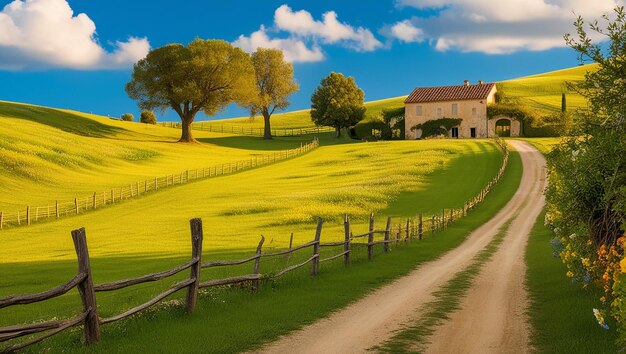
(48, 154)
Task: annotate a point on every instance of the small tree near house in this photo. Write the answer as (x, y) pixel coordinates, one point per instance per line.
(204, 76)
(337, 102)
(274, 83)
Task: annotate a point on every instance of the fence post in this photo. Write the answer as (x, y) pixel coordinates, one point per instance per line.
(196, 255)
(1, 219)
(420, 227)
(94, 200)
(257, 263)
(85, 287)
(316, 247)
(291, 241)
(76, 205)
(387, 234)
(56, 204)
(370, 239)
(28, 215)
(408, 225)
(187, 177)
(346, 246)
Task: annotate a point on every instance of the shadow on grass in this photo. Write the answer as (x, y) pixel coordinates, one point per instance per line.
(66, 121)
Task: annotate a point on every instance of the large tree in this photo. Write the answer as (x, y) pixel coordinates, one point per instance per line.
(206, 75)
(337, 102)
(275, 83)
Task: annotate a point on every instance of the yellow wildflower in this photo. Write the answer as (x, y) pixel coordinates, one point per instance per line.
(569, 274)
(622, 264)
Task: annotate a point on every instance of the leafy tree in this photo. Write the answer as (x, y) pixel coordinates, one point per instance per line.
(337, 102)
(147, 117)
(587, 190)
(127, 117)
(206, 75)
(274, 82)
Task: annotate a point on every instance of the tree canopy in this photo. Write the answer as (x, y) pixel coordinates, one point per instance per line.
(274, 83)
(337, 102)
(204, 76)
(147, 117)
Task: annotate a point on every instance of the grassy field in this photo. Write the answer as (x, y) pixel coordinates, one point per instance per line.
(543, 91)
(50, 154)
(561, 311)
(544, 145)
(232, 320)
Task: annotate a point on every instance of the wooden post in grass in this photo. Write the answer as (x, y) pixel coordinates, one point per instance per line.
(56, 206)
(346, 246)
(370, 239)
(420, 227)
(257, 263)
(1, 220)
(28, 215)
(408, 225)
(316, 248)
(76, 205)
(291, 241)
(112, 196)
(387, 234)
(196, 256)
(187, 177)
(94, 200)
(85, 287)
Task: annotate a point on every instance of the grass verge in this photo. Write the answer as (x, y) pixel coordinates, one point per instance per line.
(560, 311)
(230, 320)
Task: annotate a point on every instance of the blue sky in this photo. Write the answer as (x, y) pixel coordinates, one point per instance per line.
(78, 54)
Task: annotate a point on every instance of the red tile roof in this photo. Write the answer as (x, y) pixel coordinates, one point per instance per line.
(450, 93)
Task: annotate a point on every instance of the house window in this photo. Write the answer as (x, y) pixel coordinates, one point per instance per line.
(455, 109)
(418, 111)
(474, 112)
(439, 112)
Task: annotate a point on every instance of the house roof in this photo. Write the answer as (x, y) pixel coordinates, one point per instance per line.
(450, 93)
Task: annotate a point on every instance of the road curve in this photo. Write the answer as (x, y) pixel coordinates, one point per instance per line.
(374, 318)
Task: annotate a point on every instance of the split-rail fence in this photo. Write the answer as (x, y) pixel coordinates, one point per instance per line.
(250, 131)
(413, 229)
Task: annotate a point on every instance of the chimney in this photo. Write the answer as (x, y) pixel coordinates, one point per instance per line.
(466, 82)
(480, 82)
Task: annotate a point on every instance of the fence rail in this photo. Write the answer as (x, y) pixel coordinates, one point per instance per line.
(33, 214)
(249, 131)
(412, 229)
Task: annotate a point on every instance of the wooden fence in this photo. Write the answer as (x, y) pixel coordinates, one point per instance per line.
(250, 131)
(33, 214)
(412, 229)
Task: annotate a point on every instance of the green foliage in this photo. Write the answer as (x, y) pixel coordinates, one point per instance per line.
(127, 117)
(274, 83)
(510, 109)
(147, 117)
(586, 194)
(437, 127)
(563, 103)
(337, 102)
(206, 75)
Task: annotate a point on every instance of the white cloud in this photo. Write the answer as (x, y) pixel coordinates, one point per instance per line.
(304, 35)
(293, 49)
(406, 32)
(328, 30)
(46, 33)
(503, 26)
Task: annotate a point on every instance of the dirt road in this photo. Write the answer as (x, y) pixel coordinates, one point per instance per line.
(373, 319)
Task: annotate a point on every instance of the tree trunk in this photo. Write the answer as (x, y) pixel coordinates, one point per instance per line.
(267, 132)
(338, 130)
(186, 136)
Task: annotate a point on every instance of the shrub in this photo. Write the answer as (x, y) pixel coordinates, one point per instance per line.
(437, 127)
(147, 117)
(128, 117)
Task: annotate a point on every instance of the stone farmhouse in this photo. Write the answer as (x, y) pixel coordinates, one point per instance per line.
(467, 102)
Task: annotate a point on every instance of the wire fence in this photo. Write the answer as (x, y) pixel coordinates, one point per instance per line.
(249, 131)
(58, 209)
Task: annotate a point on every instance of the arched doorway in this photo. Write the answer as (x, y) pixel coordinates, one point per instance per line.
(503, 128)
